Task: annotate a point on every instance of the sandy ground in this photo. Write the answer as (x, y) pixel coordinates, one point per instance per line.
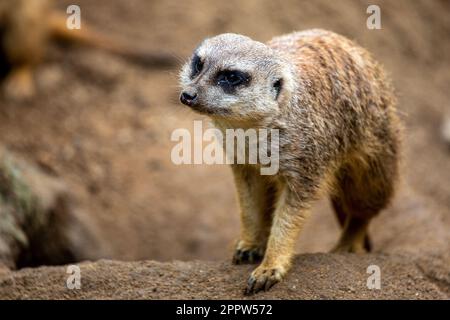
(103, 126)
(314, 276)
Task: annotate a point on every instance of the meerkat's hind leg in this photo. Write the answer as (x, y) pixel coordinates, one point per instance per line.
(353, 230)
(354, 236)
(364, 189)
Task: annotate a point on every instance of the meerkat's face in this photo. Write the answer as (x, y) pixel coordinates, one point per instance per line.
(231, 76)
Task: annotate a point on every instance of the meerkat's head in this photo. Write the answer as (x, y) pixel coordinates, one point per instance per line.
(232, 76)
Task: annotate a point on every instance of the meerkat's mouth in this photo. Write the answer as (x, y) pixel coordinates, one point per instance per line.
(211, 111)
(192, 101)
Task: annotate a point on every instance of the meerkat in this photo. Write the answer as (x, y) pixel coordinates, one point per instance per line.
(27, 27)
(339, 134)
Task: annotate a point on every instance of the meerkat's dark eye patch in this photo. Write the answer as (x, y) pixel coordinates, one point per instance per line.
(228, 80)
(196, 66)
(277, 85)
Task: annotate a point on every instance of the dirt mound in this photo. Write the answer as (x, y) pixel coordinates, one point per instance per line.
(314, 276)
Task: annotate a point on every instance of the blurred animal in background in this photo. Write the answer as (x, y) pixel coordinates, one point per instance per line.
(27, 27)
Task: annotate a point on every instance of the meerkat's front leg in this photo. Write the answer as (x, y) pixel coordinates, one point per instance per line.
(288, 220)
(257, 195)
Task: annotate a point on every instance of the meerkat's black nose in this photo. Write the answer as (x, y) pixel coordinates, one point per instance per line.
(188, 98)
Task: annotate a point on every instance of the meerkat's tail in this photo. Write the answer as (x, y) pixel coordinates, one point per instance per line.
(88, 37)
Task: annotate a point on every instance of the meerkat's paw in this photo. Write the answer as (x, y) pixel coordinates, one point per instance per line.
(263, 278)
(247, 254)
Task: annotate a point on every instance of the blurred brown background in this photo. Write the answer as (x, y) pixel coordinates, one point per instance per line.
(103, 125)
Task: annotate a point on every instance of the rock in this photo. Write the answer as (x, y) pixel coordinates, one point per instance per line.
(39, 220)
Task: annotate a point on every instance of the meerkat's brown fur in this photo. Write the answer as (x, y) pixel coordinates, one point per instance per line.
(27, 26)
(357, 132)
(339, 134)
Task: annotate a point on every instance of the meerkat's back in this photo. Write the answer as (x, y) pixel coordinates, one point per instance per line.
(326, 57)
(340, 80)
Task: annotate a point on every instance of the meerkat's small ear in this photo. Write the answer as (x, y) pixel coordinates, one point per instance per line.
(277, 85)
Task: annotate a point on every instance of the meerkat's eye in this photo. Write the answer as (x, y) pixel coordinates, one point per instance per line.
(277, 86)
(197, 66)
(229, 79)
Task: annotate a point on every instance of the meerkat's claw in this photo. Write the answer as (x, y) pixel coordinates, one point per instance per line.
(262, 279)
(252, 255)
